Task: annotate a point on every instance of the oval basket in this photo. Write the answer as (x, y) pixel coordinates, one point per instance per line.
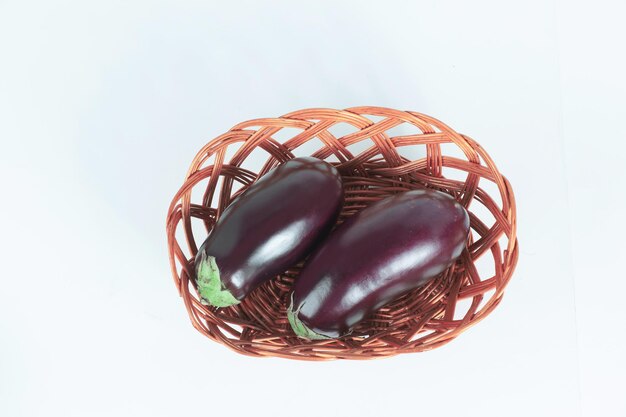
(379, 152)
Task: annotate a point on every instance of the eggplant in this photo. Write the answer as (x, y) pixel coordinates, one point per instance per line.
(387, 249)
(267, 229)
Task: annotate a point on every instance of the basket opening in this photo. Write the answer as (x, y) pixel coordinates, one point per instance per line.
(485, 265)
(361, 146)
(236, 330)
(373, 117)
(309, 147)
(255, 161)
(454, 174)
(461, 307)
(231, 150)
(404, 129)
(342, 129)
(487, 296)
(235, 188)
(452, 149)
(504, 242)
(492, 190)
(412, 152)
(421, 334)
(182, 240)
(286, 133)
(199, 231)
(475, 235)
(483, 213)
(208, 162)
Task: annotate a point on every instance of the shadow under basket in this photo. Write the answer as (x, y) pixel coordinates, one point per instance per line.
(379, 152)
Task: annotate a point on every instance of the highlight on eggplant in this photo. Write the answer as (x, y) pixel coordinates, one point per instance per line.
(270, 227)
(389, 248)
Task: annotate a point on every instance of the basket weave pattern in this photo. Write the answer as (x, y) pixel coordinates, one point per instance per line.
(374, 164)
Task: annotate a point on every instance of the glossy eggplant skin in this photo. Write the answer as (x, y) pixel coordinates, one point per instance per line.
(393, 246)
(270, 227)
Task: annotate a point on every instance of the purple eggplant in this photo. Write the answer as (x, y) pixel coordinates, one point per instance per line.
(393, 246)
(270, 227)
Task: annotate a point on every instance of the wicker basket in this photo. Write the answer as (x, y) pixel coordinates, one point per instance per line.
(379, 152)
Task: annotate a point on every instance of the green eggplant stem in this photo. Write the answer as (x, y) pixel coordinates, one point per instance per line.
(299, 328)
(211, 289)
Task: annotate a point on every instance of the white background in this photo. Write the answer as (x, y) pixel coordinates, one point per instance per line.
(103, 105)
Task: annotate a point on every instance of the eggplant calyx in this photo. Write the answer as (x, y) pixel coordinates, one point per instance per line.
(211, 289)
(299, 328)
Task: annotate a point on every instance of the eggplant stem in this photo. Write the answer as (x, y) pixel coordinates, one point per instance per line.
(299, 328)
(210, 287)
